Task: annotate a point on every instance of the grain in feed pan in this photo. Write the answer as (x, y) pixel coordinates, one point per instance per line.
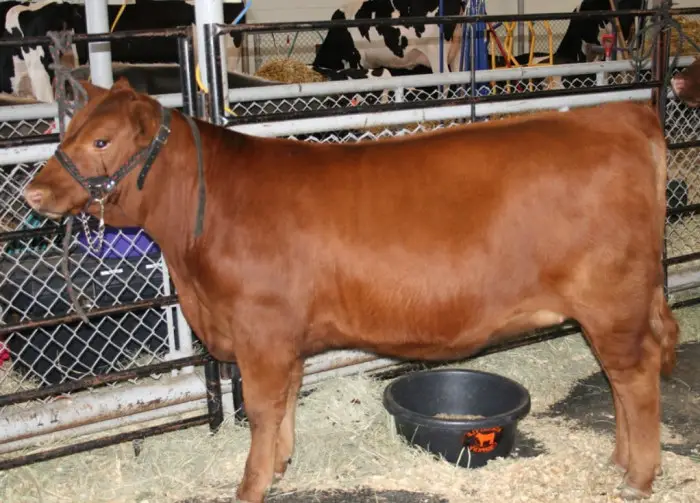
(466, 416)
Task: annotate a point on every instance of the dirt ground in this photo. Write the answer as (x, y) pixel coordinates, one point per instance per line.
(347, 450)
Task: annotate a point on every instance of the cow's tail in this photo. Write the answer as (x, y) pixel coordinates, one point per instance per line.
(664, 325)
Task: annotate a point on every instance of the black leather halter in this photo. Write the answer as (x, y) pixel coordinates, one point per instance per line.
(99, 187)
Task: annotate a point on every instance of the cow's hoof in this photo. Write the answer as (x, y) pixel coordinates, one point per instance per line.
(629, 493)
(617, 466)
(247, 498)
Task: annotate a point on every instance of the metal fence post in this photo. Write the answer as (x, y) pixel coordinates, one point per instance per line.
(659, 70)
(97, 19)
(214, 81)
(188, 83)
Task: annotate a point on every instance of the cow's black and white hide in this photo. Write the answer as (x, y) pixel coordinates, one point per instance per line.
(31, 64)
(399, 46)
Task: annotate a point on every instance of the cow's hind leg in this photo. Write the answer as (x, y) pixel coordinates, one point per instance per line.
(620, 456)
(631, 358)
(285, 439)
(266, 381)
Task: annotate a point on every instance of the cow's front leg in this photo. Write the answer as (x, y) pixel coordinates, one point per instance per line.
(266, 376)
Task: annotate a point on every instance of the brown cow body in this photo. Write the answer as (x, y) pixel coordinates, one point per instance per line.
(425, 247)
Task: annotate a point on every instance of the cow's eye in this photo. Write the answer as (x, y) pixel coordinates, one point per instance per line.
(100, 143)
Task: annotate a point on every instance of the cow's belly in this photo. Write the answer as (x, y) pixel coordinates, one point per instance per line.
(382, 57)
(430, 306)
(41, 83)
(442, 331)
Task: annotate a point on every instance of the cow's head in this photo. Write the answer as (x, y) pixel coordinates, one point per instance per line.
(686, 84)
(101, 137)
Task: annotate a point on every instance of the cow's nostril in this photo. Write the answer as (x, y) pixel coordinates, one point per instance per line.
(34, 197)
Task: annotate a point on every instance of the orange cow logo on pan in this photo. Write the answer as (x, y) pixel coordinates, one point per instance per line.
(483, 440)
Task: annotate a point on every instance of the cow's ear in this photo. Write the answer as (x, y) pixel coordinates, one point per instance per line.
(145, 121)
(92, 90)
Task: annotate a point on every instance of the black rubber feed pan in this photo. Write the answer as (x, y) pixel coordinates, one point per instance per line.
(462, 415)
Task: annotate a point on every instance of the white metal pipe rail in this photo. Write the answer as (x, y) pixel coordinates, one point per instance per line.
(82, 412)
(38, 153)
(481, 76)
(334, 123)
(283, 91)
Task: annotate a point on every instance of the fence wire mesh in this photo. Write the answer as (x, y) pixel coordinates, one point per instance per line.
(425, 94)
(21, 128)
(128, 268)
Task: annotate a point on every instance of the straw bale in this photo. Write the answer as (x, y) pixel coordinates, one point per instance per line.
(289, 71)
(691, 29)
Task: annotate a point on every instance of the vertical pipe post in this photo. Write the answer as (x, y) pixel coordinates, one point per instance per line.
(659, 70)
(209, 12)
(214, 79)
(188, 84)
(521, 28)
(441, 34)
(214, 402)
(472, 69)
(237, 394)
(97, 19)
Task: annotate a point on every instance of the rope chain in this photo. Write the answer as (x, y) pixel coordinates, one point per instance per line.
(67, 85)
(62, 43)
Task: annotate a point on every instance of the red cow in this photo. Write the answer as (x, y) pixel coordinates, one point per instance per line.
(423, 247)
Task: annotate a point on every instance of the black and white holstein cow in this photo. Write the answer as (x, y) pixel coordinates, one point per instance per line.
(406, 47)
(399, 46)
(31, 64)
(580, 35)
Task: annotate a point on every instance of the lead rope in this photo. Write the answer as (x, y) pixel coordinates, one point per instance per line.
(61, 44)
(199, 218)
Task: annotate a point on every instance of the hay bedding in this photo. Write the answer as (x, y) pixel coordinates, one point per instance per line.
(289, 71)
(345, 441)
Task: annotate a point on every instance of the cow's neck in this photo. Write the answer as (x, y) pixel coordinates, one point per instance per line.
(166, 206)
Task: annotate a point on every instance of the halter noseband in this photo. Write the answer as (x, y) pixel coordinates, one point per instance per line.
(99, 187)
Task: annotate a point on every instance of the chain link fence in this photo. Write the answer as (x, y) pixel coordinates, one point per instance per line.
(425, 94)
(22, 128)
(129, 268)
